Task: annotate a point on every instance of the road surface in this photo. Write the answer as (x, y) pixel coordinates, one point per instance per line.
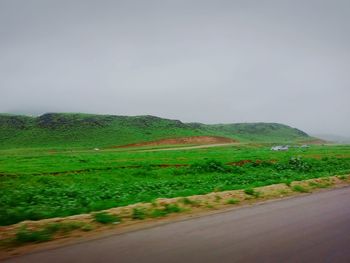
(312, 228)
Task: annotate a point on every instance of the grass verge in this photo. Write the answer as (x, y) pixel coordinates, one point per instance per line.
(30, 232)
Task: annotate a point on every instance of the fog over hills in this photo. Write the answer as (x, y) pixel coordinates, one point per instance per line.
(333, 138)
(195, 60)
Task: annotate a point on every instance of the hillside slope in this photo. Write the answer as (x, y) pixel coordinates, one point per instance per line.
(88, 130)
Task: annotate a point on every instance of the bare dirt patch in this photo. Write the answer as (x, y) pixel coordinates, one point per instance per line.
(198, 140)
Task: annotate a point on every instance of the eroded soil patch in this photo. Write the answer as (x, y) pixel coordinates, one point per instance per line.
(183, 141)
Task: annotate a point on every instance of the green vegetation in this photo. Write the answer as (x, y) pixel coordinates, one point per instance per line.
(232, 201)
(48, 167)
(87, 227)
(299, 188)
(105, 218)
(38, 184)
(172, 208)
(288, 182)
(25, 235)
(67, 130)
(187, 201)
(343, 177)
(319, 185)
(158, 213)
(139, 213)
(166, 210)
(252, 192)
(209, 166)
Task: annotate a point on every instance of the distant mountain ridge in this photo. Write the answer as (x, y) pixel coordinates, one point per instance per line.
(90, 130)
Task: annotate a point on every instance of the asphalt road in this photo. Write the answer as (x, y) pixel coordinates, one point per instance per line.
(313, 228)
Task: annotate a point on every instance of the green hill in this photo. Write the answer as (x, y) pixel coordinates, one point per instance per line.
(88, 130)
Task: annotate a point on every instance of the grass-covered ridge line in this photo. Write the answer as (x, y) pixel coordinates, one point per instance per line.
(66, 130)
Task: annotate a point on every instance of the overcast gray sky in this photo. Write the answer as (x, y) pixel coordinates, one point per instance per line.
(204, 61)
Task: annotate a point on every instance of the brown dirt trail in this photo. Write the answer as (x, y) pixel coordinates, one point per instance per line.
(182, 141)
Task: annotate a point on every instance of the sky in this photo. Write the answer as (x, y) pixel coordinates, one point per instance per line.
(218, 61)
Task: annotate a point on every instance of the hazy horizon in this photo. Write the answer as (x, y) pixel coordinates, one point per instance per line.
(195, 61)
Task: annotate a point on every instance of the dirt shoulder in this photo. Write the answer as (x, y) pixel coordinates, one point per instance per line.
(189, 147)
(183, 141)
(79, 228)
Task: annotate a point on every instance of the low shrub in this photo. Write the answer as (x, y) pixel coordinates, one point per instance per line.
(251, 191)
(105, 218)
(25, 235)
(343, 177)
(319, 185)
(158, 213)
(299, 188)
(138, 213)
(288, 182)
(87, 227)
(187, 201)
(172, 208)
(232, 201)
(218, 198)
(295, 164)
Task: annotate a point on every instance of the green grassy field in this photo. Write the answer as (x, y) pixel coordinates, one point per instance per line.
(43, 182)
(48, 167)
